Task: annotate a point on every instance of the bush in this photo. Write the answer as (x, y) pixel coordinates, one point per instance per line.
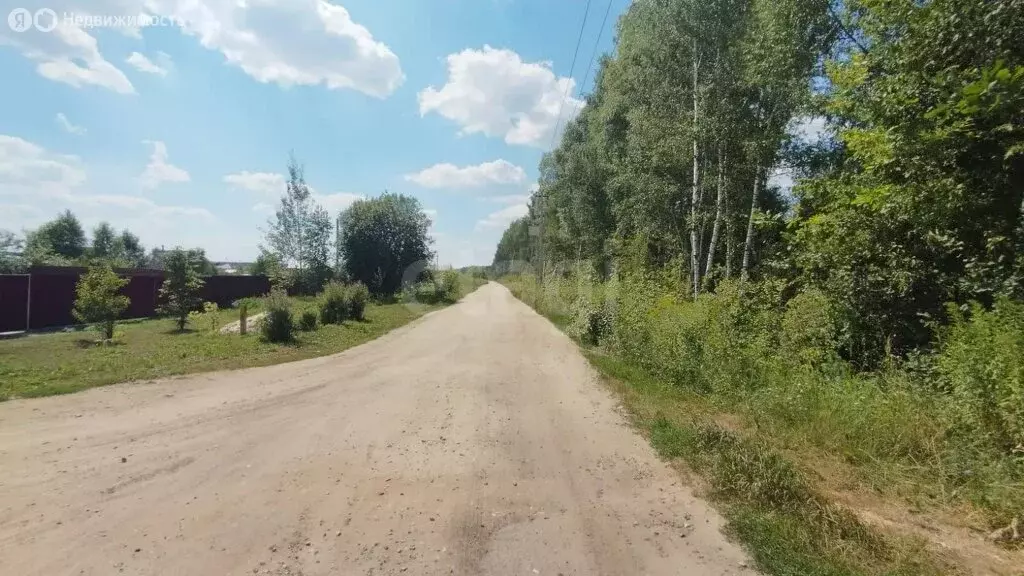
(98, 301)
(277, 325)
(334, 304)
(208, 318)
(982, 364)
(449, 286)
(308, 320)
(358, 296)
(809, 331)
(424, 293)
(591, 320)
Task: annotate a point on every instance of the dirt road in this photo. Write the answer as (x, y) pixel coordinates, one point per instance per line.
(473, 441)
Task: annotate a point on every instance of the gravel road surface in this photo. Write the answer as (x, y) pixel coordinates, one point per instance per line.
(476, 440)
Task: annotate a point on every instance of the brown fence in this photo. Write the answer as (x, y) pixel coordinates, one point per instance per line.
(45, 296)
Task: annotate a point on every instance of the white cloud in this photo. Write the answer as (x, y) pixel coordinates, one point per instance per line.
(67, 54)
(36, 184)
(25, 166)
(68, 127)
(451, 176)
(263, 208)
(510, 199)
(159, 170)
(288, 42)
(337, 202)
(271, 185)
(144, 64)
(502, 218)
(266, 183)
(493, 92)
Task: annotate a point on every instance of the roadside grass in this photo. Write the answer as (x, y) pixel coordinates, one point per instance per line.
(771, 505)
(777, 488)
(64, 362)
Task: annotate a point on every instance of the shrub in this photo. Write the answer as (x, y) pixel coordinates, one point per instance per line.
(591, 320)
(277, 325)
(308, 320)
(208, 317)
(334, 304)
(449, 286)
(982, 364)
(809, 331)
(180, 291)
(425, 293)
(97, 299)
(358, 296)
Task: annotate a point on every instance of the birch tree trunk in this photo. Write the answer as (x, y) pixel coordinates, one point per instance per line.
(748, 246)
(694, 248)
(719, 201)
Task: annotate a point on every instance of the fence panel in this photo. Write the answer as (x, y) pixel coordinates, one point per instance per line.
(13, 302)
(53, 294)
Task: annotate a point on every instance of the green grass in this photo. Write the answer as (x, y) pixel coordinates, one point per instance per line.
(753, 465)
(60, 363)
(770, 505)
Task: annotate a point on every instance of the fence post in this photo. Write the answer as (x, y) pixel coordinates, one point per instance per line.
(28, 305)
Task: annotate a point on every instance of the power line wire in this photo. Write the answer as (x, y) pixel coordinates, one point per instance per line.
(565, 96)
(593, 53)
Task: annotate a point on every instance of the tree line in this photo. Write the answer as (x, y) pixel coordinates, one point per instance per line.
(911, 200)
(63, 242)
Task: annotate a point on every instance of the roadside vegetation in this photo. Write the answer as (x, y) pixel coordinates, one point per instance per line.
(791, 233)
(59, 363)
(327, 294)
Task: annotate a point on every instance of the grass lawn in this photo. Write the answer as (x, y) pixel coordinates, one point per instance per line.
(63, 362)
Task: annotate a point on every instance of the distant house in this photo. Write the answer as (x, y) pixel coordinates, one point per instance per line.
(232, 268)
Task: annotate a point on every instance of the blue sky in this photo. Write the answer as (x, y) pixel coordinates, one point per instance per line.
(180, 130)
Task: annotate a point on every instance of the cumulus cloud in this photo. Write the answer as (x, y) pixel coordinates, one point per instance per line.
(271, 185)
(502, 218)
(266, 183)
(451, 176)
(288, 42)
(493, 92)
(143, 64)
(68, 127)
(35, 184)
(510, 199)
(67, 54)
(336, 202)
(159, 170)
(24, 166)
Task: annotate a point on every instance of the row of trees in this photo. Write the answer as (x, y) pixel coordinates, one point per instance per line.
(63, 242)
(913, 198)
(381, 242)
(98, 298)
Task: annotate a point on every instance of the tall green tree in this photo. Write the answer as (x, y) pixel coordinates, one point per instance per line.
(11, 257)
(925, 204)
(383, 240)
(131, 250)
(59, 241)
(286, 232)
(180, 292)
(104, 242)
